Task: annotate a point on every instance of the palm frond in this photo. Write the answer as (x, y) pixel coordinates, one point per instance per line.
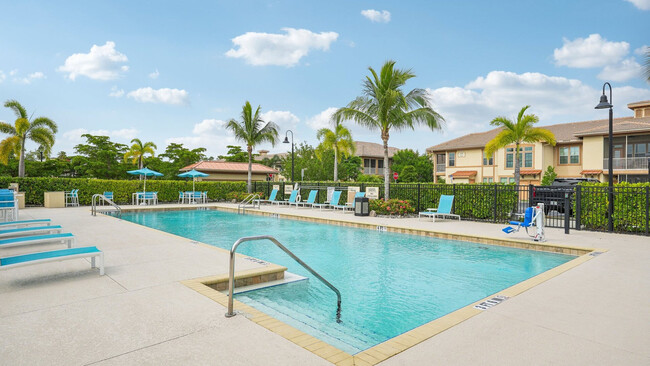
(7, 147)
(17, 108)
(45, 122)
(7, 128)
(502, 139)
(539, 134)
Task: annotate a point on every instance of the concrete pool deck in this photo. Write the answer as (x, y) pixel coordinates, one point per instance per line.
(140, 313)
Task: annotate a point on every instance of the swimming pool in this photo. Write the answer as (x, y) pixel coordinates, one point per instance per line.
(390, 283)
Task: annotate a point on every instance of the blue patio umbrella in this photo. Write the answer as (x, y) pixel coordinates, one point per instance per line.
(193, 174)
(146, 172)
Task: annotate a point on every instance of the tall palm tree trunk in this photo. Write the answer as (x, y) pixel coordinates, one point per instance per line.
(517, 167)
(336, 166)
(250, 168)
(21, 162)
(384, 138)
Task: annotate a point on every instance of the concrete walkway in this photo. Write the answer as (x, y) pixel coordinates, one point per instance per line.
(138, 313)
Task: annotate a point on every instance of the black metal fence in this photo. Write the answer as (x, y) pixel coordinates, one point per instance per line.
(577, 208)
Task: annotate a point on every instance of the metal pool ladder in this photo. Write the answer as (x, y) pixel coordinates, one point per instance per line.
(231, 276)
(97, 197)
(249, 200)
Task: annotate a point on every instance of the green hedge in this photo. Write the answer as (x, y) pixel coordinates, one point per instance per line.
(122, 189)
(629, 206)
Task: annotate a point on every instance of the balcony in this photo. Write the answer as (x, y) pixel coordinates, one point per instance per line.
(627, 163)
(440, 168)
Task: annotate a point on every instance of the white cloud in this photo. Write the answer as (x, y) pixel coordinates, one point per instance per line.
(641, 4)
(322, 119)
(593, 51)
(101, 63)
(122, 135)
(624, 70)
(29, 78)
(13, 72)
(209, 127)
(2, 76)
(641, 51)
(210, 134)
(116, 93)
(284, 119)
(164, 95)
(500, 93)
(154, 75)
(376, 16)
(279, 49)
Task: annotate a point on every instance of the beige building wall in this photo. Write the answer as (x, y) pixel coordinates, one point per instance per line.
(593, 152)
(239, 177)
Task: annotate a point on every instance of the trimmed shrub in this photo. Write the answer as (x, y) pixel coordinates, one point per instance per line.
(395, 207)
(629, 206)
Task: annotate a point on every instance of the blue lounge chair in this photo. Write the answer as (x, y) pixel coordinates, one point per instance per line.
(274, 193)
(444, 209)
(54, 256)
(336, 196)
(310, 200)
(292, 198)
(8, 205)
(63, 238)
(50, 229)
(528, 221)
(350, 205)
(24, 223)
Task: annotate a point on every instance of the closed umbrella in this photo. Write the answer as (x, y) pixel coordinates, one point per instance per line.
(193, 174)
(146, 172)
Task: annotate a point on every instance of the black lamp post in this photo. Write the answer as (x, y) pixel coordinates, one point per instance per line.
(604, 104)
(40, 152)
(293, 161)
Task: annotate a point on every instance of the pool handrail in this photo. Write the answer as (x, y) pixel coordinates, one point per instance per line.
(231, 275)
(96, 197)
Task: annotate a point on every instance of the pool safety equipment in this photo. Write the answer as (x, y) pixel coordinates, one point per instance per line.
(533, 217)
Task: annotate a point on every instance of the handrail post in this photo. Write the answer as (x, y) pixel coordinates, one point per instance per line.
(231, 273)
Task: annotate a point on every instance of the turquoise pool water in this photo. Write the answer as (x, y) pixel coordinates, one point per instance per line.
(390, 283)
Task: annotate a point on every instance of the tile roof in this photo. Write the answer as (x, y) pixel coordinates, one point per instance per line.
(529, 171)
(564, 132)
(373, 150)
(228, 167)
(591, 172)
(464, 173)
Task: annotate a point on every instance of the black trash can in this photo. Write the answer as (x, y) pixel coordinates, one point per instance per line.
(361, 206)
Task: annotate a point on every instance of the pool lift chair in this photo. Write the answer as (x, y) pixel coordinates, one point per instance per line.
(533, 217)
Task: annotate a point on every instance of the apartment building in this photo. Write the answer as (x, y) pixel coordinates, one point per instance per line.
(581, 151)
(372, 155)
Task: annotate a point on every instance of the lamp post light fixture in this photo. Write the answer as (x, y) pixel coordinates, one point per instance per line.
(40, 153)
(293, 161)
(605, 104)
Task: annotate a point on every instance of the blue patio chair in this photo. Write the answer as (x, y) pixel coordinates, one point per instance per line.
(310, 200)
(444, 209)
(336, 196)
(54, 256)
(271, 200)
(181, 197)
(8, 205)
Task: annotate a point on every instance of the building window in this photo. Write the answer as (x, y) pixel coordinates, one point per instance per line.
(528, 157)
(488, 180)
(569, 155)
(510, 157)
(452, 159)
(487, 161)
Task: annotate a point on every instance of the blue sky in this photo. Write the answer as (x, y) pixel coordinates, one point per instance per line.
(174, 72)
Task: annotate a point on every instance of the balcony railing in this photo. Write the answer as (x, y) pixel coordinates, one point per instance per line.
(440, 168)
(627, 163)
(377, 171)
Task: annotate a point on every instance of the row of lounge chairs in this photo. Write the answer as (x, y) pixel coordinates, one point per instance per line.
(333, 204)
(30, 232)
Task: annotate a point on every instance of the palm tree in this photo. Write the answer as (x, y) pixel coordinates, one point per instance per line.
(517, 133)
(40, 130)
(340, 140)
(252, 130)
(384, 106)
(138, 150)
